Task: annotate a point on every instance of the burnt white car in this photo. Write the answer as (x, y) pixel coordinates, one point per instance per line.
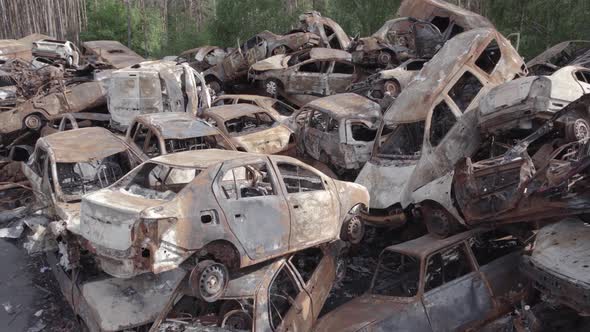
(214, 211)
(251, 128)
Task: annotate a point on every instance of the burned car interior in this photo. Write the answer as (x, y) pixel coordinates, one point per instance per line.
(420, 176)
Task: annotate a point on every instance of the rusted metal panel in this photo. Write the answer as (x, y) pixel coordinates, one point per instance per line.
(430, 9)
(112, 53)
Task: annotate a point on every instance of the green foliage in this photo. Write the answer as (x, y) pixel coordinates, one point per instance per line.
(541, 23)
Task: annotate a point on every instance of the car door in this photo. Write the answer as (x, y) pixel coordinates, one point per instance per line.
(340, 76)
(315, 132)
(36, 169)
(312, 205)
(308, 78)
(317, 273)
(255, 208)
(455, 294)
(290, 306)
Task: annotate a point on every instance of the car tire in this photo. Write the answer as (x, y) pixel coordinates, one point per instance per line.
(237, 320)
(353, 230)
(33, 122)
(577, 130)
(439, 222)
(281, 49)
(208, 280)
(215, 86)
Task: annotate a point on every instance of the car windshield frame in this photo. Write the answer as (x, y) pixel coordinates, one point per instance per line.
(381, 139)
(417, 260)
(257, 129)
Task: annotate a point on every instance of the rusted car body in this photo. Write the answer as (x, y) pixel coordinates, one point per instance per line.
(397, 41)
(338, 130)
(540, 178)
(13, 49)
(225, 209)
(66, 165)
(34, 112)
(63, 50)
(251, 128)
(558, 264)
(388, 83)
(527, 102)
(235, 65)
(155, 87)
(285, 295)
(571, 52)
(331, 33)
(318, 72)
(434, 285)
(421, 139)
(275, 106)
(450, 20)
(203, 58)
(110, 53)
(152, 135)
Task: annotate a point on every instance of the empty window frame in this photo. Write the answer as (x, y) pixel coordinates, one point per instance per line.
(252, 180)
(281, 297)
(298, 179)
(446, 266)
(306, 262)
(465, 90)
(441, 123)
(397, 275)
(488, 60)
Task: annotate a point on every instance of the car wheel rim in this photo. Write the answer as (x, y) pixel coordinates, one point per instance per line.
(581, 129)
(236, 320)
(271, 87)
(355, 229)
(279, 50)
(33, 122)
(212, 281)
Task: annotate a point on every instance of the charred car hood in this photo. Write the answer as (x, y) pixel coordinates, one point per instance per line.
(562, 249)
(386, 314)
(108, 217)
(268, 141)
(385, 182)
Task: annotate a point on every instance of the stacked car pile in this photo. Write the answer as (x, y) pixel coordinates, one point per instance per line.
(212, 190)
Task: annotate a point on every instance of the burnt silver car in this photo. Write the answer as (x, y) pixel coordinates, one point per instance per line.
(435, 285)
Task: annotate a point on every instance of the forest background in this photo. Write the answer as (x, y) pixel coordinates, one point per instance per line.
(168, 27)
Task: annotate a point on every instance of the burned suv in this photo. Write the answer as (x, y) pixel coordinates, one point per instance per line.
(224, 209)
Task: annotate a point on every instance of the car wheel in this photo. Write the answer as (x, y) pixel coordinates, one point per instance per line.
(237, 320)
(215, 86)
(33, 122)
(384, 58)
(279, 50)
(208, 280)
(271, 87)
(578, 130)
(353, 230)
(439, 222)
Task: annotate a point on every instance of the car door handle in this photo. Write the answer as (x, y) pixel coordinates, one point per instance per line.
(237, 215)
(296, 206)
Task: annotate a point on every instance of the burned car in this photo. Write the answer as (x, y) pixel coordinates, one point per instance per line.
(571, 52)
(428, 284)
(203, 58)
(152, 135)
(397, 41)
(67, 165)
(110, 54)
(559, 262)
(251, 128)
(275, 106)
(388, 83)
(14, 49)
(234, 67)
(317, 72)
(155, 87)
(338, 130)
(35, 112)
(526, 103)
(331, 33)
(61, 50)
(541, 178)
(198, 207)
(450, 19)
(421, 139)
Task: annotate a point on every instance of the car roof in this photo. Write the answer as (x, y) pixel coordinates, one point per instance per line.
(347, 105)
(245, 97)
(428, 244)
(177, 125)
(227, 112)
(201, 158)
(319, 53)
(82, 145)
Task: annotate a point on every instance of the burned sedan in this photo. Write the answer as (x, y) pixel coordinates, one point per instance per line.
(331, 33)
(317, 72)
(435, 285)
(203, 58)
(234, 67)
(337, 130)
(421, 139)
(275, 106)
(251, 128)
(67, 165)
(216, 211)
(558, 264)
(152, 135)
